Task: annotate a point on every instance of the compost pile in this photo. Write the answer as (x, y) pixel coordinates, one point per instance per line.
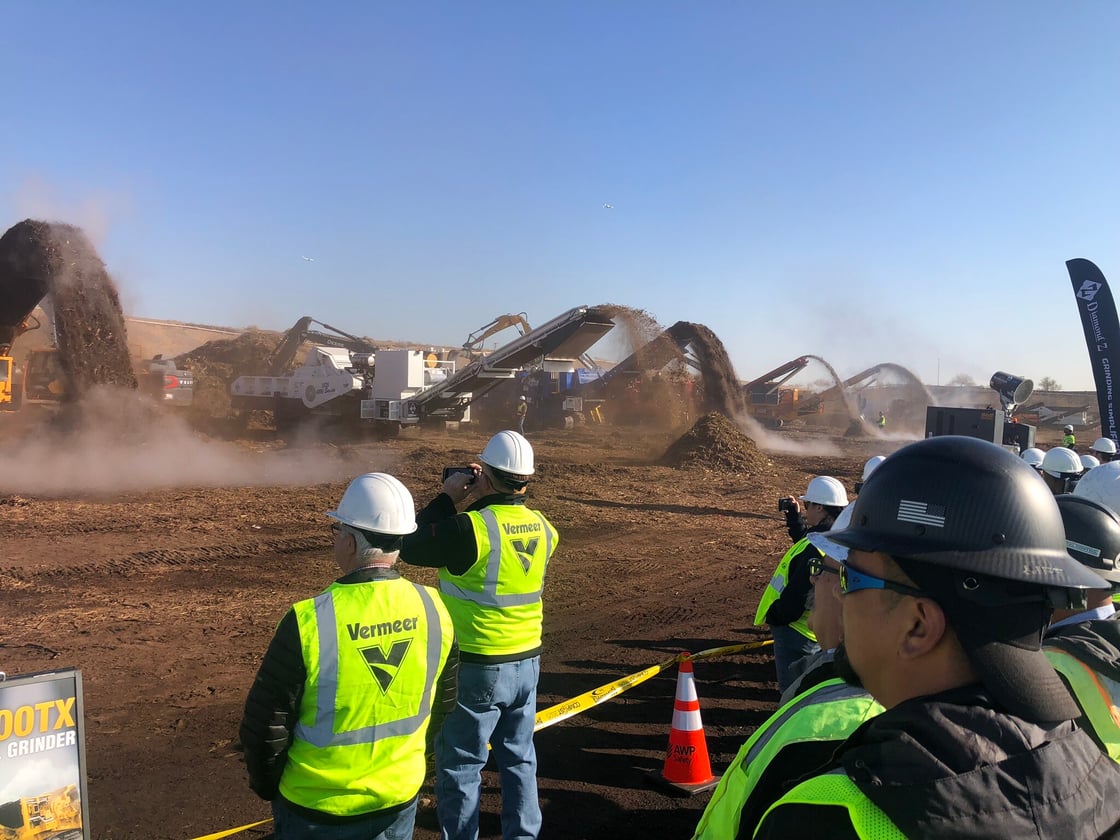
(57, 261)
(217, 363)
(715, 442)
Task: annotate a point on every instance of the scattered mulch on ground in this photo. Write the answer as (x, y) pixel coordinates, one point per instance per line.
(715, 442)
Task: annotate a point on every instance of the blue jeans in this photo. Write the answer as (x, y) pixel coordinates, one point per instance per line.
(789, 646)
(396, 826)
(497, 704)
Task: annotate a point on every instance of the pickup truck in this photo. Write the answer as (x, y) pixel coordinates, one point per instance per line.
(160, 379)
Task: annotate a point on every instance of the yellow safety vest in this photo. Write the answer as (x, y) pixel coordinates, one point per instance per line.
(777, 585)
(836, 788)
(1095, 693)
(830, 711)
(1068, 441)
(373, 653)
(496, 604)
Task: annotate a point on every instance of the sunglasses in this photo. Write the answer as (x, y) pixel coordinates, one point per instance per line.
(817, 566)
(853, 580)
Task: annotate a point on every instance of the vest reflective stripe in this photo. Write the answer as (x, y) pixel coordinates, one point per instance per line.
(373, 653)
(322, 733)
(778, 585)
(829, 711)
(489, 596)
(1096, 694)
(836, 788)
(496, 604)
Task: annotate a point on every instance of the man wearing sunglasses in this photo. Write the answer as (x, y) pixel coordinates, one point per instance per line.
(816, 714)
(957, 556)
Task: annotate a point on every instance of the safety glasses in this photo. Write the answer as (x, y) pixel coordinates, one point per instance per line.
(817, 566)
(853, 580)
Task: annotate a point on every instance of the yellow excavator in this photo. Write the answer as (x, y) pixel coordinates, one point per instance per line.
(474, 342)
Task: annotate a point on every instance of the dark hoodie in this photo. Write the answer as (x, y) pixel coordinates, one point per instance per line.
(953, 765)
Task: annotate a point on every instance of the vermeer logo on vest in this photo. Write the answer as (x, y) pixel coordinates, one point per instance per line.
(525, 551)
(385, 666)
(1088, 290)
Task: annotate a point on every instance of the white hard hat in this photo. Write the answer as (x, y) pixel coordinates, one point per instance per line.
(826, 490)
(509, 452)
(825, 545)
(1105, 445)
(377, 502)
(872, 463)
(1102, 485)
(1088, 462)
(1067, 428)
(522, 398)
(1061, 463)
(1033, 456)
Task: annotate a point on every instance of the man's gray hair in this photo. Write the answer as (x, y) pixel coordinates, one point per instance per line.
(367, 554)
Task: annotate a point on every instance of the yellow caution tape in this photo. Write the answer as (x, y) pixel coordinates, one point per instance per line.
(589, 699)
(231, 831)
(585, 701)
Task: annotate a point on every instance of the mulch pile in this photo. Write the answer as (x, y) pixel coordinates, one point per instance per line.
(217, 363)
(715, 442)
(58, 261)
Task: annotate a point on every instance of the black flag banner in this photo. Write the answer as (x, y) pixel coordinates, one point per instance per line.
(1102, 336)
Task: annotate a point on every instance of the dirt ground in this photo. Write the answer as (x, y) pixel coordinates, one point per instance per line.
(166, 601)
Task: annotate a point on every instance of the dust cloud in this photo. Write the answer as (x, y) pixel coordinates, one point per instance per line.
(120, 443)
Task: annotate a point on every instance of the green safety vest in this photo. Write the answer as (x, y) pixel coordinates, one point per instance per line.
(1068, 441)
(1096, 695)
(830, 711)
(775, 588)
(496, 604)
(373, 653)
(836, 788)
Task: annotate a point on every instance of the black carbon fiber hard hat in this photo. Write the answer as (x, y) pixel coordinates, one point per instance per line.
(1092, 535)
(964, 503)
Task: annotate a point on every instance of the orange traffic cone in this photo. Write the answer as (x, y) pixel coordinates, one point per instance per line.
(687, 766)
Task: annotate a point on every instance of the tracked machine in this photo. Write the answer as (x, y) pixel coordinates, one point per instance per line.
(363, 387)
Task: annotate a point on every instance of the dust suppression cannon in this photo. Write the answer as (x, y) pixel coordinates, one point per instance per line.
(999, 426)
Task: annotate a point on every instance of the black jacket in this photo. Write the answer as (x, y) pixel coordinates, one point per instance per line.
(791, 604)
(444, 538)
(272, 707)
(1096, 643)
(953, 766)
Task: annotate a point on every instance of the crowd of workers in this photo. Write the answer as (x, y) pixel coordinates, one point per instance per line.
(946, 647)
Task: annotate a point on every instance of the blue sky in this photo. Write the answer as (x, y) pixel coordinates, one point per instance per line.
(863, 181)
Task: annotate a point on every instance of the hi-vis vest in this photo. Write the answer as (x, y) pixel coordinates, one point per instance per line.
(775, 588)
(836, 788)
(830, 711)
(496, 604)
(373, 653)
(1096, 694)
(1068, 441)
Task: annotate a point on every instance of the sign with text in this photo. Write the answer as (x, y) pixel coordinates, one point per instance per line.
(42, 757)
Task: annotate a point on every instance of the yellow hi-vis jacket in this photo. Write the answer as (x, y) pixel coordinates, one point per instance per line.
(496, 604)
(1097, 696)
(829, 711)
(836, 788)
(374, 652)
(777, 586)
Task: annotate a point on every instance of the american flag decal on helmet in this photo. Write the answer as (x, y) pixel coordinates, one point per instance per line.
(922, 513)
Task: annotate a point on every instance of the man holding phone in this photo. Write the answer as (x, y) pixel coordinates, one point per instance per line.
(491, 559)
